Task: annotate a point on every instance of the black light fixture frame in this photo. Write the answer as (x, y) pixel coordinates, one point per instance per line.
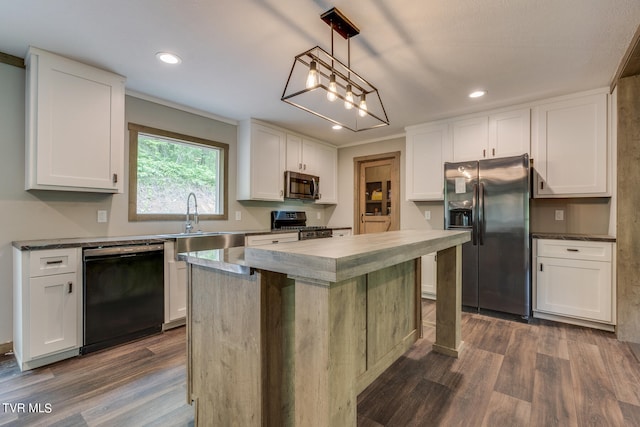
(375, 116)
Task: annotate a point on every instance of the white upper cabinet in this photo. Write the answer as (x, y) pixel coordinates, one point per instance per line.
(427, 148)
(469, 139)
(261, 162)
(509, 133)
(294, 153)
(75, 125)
(324, 163)
(570, 147)
(315, 158)
(501, 134)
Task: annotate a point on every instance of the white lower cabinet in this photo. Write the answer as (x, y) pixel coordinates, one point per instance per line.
(47, 305)
(175, 300)
(573, 282)
(429, 275)
(267, 239)
(340, 232)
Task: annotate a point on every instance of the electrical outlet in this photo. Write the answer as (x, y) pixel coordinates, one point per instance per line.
(559, 215)
(102, 216)
(427, 215)
(238, 215)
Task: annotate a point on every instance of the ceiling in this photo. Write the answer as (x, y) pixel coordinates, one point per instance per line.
(424, 56)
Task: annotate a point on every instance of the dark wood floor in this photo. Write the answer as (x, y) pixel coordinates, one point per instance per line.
(509, 374)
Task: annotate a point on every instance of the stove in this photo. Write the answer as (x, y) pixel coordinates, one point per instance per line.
(296, 220)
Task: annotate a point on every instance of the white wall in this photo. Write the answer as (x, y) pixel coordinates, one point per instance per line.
(30, 215)
(411, 213)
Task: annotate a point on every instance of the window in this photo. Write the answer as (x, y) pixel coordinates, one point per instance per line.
(164, 167)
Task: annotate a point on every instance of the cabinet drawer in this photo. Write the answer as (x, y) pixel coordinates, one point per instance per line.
(267, 239)
(574, 249)
(53, 261)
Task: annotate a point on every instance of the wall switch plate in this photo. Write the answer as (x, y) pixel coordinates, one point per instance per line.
(238, 215)
(559, 215)
(102, 216)
(427, 215)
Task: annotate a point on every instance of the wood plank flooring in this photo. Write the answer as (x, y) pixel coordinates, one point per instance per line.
(509, 374)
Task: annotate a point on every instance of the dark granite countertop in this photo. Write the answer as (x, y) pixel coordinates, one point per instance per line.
(92, 242)
(86, 242)
(573, 236)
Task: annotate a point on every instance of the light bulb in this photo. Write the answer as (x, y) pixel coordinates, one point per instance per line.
(363, 106)
(348, 99)
(333, 88)
(313, 79)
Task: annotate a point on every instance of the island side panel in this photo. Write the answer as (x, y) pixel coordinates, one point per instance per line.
(392, 326)
(449, 302)
(326, 352)
(236, 337)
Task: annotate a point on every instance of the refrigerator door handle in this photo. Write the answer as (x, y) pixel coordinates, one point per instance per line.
(474, 223)
(481, 214)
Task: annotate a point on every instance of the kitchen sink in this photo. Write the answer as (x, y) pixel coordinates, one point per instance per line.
(203, 240)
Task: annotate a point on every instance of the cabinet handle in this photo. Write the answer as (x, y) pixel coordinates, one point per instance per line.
(274, 241)
(304, 167)
(300, 166)
(542, 185)
(484, 153)
(573, 250)
(59, 261)
(115, 178)
(541, 267)
(493, 152)
(362, 218)
(70, 287)
(281, 193)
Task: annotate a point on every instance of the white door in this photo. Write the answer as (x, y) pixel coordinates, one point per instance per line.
(53, 313)
(574, 288)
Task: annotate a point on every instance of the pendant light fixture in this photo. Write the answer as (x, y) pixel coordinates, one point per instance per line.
(318, 78)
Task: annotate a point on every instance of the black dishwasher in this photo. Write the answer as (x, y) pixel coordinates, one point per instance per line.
(123, 294)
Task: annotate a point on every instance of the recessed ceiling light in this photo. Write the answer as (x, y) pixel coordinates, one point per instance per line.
(168, 58)
(477, 94)
(336, 127)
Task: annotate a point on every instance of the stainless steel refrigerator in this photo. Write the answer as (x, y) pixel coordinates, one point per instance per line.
(491, 199)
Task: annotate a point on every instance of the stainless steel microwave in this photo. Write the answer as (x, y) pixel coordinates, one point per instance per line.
(301, 186)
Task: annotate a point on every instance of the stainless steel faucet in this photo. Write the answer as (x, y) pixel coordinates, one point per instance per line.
(188, 226)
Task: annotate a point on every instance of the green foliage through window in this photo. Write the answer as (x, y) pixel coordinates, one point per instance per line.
(168, 169)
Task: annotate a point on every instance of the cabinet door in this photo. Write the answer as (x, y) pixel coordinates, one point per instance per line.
(469, 139)
(429, 276)
(427, 149)
(574, 288)
(53, 308)
(325, 166)
(510, 133)
(268, 239)
(177, 290)
(570, 147)
(294, 153)
(75, 125)
(268, 152)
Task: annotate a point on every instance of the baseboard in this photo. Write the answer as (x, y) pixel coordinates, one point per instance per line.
(6, 348)
(574, 321)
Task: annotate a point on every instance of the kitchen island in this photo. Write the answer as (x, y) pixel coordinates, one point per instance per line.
(291, 333)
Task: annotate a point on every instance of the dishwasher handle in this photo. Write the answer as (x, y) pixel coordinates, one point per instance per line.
(122, 250)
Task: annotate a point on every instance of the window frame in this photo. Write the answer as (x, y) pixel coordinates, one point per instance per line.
(134, 130)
